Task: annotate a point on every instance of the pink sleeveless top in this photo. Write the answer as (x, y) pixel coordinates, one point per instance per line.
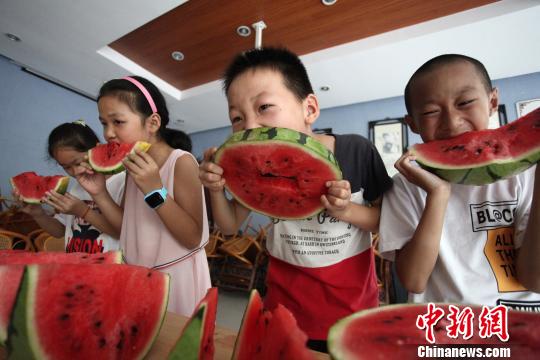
(146, 241)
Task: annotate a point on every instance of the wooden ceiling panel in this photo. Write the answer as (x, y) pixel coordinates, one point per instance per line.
(205, 30)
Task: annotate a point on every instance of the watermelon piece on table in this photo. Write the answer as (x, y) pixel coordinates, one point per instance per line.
(277, 172)
(197, 339)
(8, 257)
(266, 335)
(10, 276)
(483, 157)
(107, 158)
(32, 187)
(390, 332)
(83, 311)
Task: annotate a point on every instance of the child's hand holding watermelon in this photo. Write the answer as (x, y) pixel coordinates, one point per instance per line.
(66, 204)
(210, 173)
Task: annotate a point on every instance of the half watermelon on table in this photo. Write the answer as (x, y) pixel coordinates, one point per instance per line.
(390, 332)
(87, 311)
(32, 187)
(107, 158)
(277, 172)
(483, 157)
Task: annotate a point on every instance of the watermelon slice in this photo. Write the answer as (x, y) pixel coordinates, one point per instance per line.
(266, 335)
(10, 276)
(8, 257)
(87, 311)
(390, 332)
(277, 172)
(32, 187)
(107, 158)
(197, 339)
(483, 157)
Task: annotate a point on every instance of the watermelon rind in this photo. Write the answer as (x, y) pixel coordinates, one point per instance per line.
(188, 346)
(465, 160)
(197, 339)
(117, 167)
(60, 187)
(265, 136)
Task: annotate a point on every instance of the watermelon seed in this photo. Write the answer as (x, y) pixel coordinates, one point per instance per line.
(69, 294)
(120, 344)
(79, 287)
(381, 339)
(134, 330)
(149, 274)
(478, 151)
(97, 324)
(388, 321)
(259, 349)
(64, 317)
(438, 328)
(102, 343)
(397, 317)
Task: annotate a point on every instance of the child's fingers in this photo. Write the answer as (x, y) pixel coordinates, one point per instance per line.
(145, 157)
(209, 153)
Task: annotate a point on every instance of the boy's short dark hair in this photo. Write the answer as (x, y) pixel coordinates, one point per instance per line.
(281, 60)
(442, 60)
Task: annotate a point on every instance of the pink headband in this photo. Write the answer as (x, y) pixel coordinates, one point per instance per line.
(144, 91)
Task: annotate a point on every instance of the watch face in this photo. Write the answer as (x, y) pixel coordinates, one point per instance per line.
(154, 200)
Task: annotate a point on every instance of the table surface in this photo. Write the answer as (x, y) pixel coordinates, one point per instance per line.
(170, 331)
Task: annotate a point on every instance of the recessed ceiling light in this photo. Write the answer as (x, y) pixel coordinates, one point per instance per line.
(324, 88)
(243, 30)
(329, 2)
(177, 55)
(12, 37)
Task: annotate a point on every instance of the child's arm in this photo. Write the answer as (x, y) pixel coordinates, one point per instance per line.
(416, 260)
(337, 203)
(111, 213)
(228, 214)
(69, 204)
(45, 221)
(528, 258)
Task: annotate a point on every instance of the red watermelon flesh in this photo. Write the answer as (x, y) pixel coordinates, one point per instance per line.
(266, 335)
(8, 257)
(10, 276)
(88, 312)
(277, 172)
(390, 332)
(482, 157)
(197, 339)
(32, 187)
(107, 158)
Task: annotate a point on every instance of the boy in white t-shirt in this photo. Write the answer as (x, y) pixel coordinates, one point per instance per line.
(448, 242)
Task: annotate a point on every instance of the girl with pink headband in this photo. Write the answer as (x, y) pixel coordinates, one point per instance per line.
(163, 219)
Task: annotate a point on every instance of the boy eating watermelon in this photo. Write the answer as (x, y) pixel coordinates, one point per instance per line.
(331, 273)
(452, 242)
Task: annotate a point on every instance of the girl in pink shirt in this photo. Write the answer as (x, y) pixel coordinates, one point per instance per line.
(163, 219)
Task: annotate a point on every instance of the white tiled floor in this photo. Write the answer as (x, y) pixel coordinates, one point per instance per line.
(231, 306)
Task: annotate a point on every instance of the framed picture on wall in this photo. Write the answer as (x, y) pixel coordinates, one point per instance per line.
(526, 106)
(390, 138)
(498, 118)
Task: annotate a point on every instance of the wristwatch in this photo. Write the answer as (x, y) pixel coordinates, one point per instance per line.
(156, 198)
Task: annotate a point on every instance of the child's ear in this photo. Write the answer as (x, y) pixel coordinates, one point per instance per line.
(493, 101)
(412, 124)
(153, 123)
(311, 109)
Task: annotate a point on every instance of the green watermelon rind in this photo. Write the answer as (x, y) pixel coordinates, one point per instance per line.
(481, 174)
(188, 346)
(119, 166)
(283, 136)
(61, 188)
(23, 342)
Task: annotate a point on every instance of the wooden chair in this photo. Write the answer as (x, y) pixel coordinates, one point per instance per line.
(383, 270)
(18, 241)
(39, 241)
(5, 242)
(214, 241)
(54, 244)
